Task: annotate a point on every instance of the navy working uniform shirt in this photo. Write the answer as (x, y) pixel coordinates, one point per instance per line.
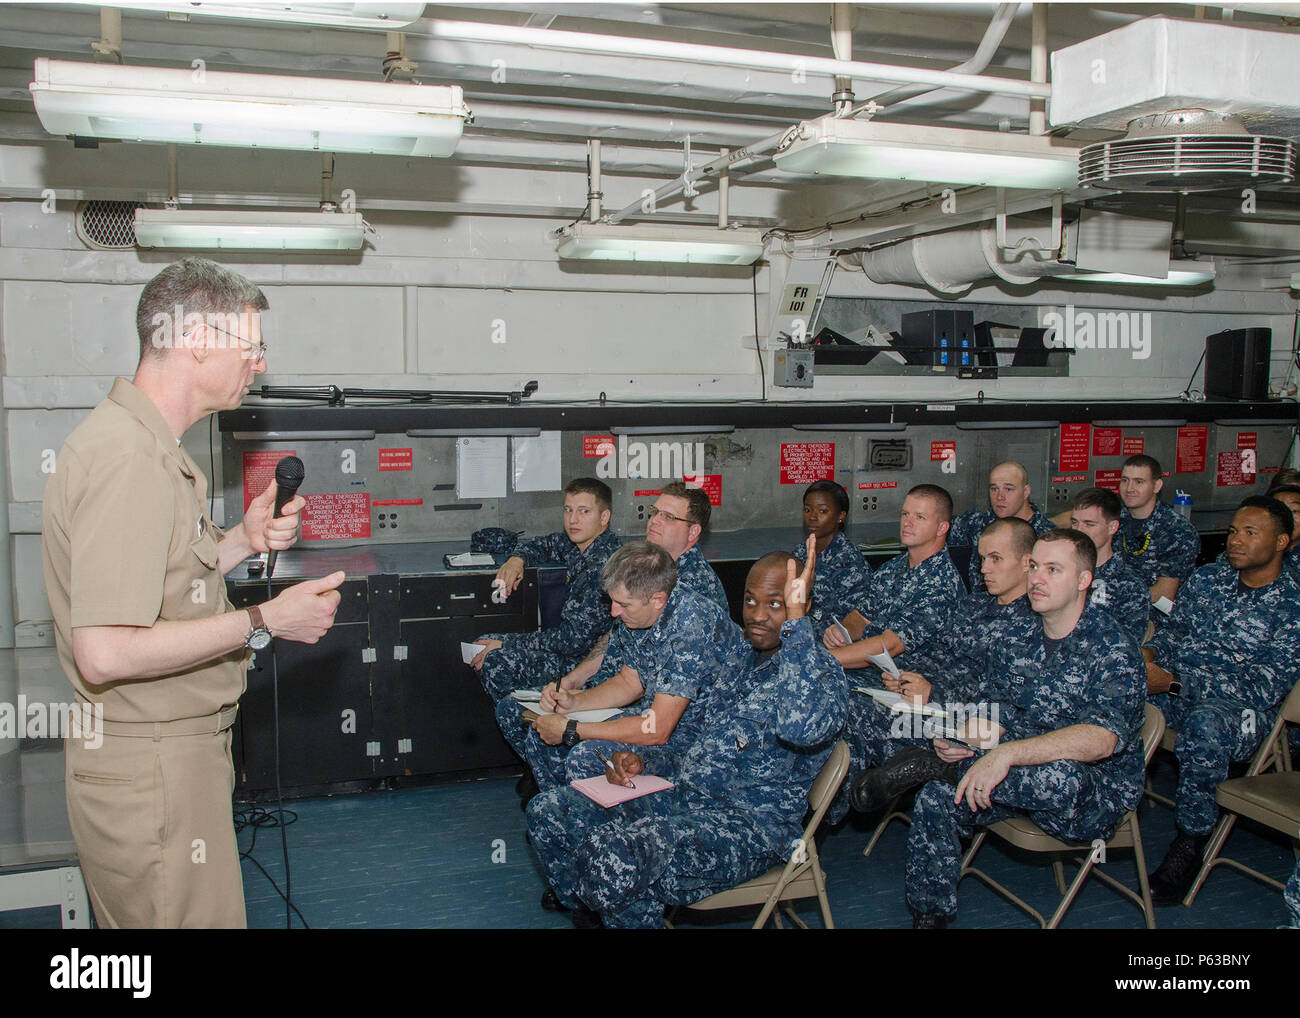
(530, 660)
(840, 581)
(1163, 544)
(1119, 590)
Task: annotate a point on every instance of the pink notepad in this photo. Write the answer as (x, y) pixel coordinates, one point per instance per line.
(599, 790)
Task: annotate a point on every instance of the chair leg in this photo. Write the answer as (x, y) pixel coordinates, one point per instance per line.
(976, 841)
(1212, 850)
(1084, 869)
(891, 814)
(819, 882)
(1139, 857)
(1059, 869)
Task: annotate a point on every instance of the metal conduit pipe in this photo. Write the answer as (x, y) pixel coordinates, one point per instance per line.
(992, 39)
(1038, 66)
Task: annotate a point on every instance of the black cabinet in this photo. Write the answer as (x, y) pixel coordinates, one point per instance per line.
(385, 693)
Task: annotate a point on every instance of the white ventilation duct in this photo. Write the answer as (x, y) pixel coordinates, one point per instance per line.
(950, 263)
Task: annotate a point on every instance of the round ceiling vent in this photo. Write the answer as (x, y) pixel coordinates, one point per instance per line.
(1187, 150)
(107, 225)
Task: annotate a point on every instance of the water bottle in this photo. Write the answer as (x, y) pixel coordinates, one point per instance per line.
(1183, 505)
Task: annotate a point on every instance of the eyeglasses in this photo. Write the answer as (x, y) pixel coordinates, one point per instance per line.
(258, 350)
(652, 512)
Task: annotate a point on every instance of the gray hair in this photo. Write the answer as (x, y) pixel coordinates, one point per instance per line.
(185, 289)
(643, 568)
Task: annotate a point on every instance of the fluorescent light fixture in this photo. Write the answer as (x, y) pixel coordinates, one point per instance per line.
(249, 231)
(702, 245)
(1181, 273)
(388, 16)
(164, 104)
(853, 148)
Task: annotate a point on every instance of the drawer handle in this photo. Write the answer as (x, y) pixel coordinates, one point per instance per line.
(463, 597)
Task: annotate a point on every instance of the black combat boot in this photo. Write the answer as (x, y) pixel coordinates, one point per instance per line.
(1174, 876)
(910, 768)
(925, 921)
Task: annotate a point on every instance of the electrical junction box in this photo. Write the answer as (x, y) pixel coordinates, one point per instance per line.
(794, 368)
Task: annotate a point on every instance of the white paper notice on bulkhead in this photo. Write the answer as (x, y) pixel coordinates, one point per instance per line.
(481, 467)
(537, 462)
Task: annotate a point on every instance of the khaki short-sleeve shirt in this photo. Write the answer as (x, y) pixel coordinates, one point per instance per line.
(127, 541)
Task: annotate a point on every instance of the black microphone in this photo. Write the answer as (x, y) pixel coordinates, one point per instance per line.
(289, 473)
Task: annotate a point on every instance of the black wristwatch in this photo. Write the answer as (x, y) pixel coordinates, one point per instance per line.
(570, 735)
(1175, 686)
(260, 637)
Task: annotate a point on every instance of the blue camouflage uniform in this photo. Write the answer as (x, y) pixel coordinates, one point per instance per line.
(1291, 897)
(1233, 648)
(840, 582)
(965, 533)
(1164, 544)
(1095, 676)
(955, 664)
(693, 571)
(740, 793)
(529, 660)
(683, 654)
(915, 604)
(1118, 589)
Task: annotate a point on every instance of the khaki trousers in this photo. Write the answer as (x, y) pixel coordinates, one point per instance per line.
(152, 820)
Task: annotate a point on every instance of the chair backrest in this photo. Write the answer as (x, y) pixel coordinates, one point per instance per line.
(827, 783)
(1153, 730)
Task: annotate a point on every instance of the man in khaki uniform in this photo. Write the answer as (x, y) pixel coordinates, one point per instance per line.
(134, 568)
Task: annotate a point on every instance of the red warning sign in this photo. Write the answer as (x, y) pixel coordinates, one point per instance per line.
(1108, 479)
(1106, 441)
(1247, 439)
(398, 501)
(395, 459)
(873, 485)
(943, 451)
(805, 462)
(336, 516)
(711, 485)
(596, 446)
(1133, 447)
(1192, 442)
(1236, 468)
(259, 471)
(1068, 478)
(1074, 446)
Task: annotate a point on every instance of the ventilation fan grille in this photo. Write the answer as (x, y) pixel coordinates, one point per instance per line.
(107, 225)
(1191, 162)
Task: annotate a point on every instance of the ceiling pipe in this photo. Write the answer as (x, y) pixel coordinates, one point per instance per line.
(842, 47)
(1038, 66)
(714, 56)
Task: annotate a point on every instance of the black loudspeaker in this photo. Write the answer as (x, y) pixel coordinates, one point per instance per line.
(1236, 364)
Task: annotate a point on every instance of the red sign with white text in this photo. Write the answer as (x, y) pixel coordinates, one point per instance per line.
(805, 462)
(1193, 439)
(1106, 441)
(336, 516)
(1247, 439)
(395, 459)
(1133, 447)
(1108, 479)
(873, 485)
(1074, 446)
(1069, 478)
(1236, 468)
(596, 446)
(259, 471)
(943, 451)
(711, 485)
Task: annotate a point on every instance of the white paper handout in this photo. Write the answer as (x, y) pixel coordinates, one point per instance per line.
(537, 462)
(884, 662)
(481, 467)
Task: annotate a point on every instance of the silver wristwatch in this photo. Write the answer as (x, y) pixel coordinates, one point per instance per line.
(260, 637)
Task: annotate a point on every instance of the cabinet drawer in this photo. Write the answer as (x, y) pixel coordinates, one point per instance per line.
(445, 597)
